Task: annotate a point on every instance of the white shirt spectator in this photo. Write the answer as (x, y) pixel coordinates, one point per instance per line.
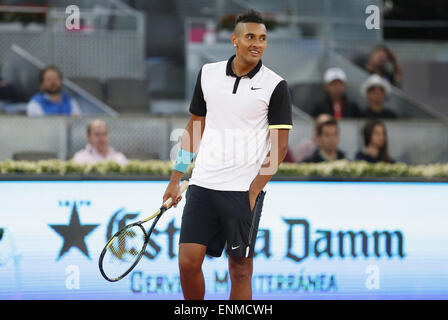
(90, 155)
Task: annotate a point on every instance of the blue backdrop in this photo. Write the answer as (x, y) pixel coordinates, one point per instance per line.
(317, 240)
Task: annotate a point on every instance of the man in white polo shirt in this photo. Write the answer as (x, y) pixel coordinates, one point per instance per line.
(97, 148)
(241, 116)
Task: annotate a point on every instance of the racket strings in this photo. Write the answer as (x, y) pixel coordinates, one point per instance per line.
(123, 251)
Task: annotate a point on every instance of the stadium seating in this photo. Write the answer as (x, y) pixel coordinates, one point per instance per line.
(34, 155)
(127, 95)
(91, 85)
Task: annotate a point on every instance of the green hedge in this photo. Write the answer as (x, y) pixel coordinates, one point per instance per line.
(341, 168)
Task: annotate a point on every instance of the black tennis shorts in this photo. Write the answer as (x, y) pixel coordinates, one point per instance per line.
(221, 219)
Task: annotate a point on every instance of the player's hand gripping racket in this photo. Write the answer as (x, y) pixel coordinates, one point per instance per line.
(126, 247)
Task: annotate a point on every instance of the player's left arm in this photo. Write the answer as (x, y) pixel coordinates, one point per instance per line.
(279, 148)
(280, 122)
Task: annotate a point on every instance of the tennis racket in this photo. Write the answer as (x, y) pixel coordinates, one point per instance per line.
(126, 247)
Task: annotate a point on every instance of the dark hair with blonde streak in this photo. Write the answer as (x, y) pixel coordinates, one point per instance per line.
(249, 16)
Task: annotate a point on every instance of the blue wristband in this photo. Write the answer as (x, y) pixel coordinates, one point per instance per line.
(183, 160)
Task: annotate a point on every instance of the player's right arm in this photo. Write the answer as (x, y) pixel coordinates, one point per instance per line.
(190, 142)
(191, 138)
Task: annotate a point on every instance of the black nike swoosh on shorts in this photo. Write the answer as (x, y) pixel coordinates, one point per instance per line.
(252, 88)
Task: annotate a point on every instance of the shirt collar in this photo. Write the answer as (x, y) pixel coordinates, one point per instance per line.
(338, 156)
(92, 149)
(250, 74)
(47, 96)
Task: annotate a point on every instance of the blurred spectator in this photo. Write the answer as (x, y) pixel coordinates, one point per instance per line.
(98, 148)
(383, 62)
(375, 89)
(52, 100)
(328, 141)
(375, 143)
(335, 101)
(288, 158)
(307, 147)
(7, 91)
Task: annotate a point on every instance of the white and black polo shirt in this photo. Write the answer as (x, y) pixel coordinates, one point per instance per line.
(239, 111)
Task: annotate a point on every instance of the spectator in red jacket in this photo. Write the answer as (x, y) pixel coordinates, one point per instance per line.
(335, 102)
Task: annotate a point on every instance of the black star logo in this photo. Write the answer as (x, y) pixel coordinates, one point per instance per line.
(74, 233)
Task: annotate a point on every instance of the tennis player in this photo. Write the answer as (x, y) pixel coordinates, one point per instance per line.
(241, 116)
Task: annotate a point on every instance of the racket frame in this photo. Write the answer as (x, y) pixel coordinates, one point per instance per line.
(140, 223)
(142, 250)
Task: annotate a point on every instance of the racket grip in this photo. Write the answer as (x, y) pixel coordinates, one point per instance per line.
(182, 188)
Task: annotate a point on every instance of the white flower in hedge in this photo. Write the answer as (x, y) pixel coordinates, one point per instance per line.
(360, 167)
(164, 168)
(25, 167)
(50, 166)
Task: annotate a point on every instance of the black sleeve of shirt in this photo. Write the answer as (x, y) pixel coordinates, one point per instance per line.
(279, 112)
(198, 105)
